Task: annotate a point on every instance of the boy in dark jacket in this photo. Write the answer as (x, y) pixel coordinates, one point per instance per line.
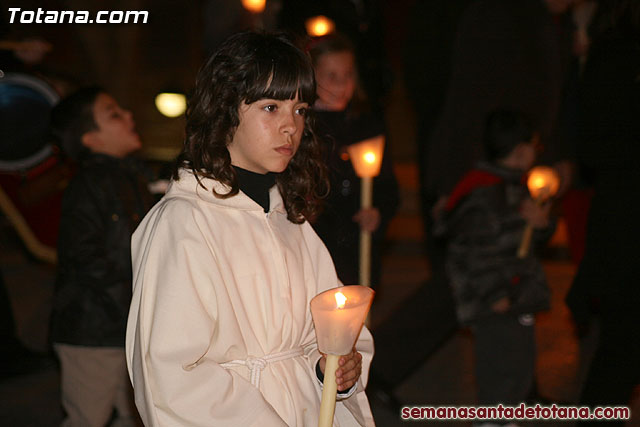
(496, 292)
(101, 207)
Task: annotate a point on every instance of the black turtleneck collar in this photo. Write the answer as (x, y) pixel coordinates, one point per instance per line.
(256, 185)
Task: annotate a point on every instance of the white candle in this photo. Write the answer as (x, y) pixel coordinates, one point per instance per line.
(338, 315)
(366, 157)
(329, 391)
(366, 197)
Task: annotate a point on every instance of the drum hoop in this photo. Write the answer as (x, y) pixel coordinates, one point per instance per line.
(32, 82)
(52, 97)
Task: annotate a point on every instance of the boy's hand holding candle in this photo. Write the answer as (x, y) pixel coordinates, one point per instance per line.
(536, 214)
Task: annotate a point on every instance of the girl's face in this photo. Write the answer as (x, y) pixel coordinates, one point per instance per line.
(268, 135)
(336, 80)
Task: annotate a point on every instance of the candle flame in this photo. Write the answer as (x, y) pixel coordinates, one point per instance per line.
(340, 299)
(539, 182)
(319, 26)
(543, 182)
(254, 6)
(370, 157)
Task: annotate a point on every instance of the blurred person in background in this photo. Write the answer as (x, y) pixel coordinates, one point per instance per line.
(343, 117)
(363, 23)
(506, 54)
(497, 292)
(609, 144)
(102, 206)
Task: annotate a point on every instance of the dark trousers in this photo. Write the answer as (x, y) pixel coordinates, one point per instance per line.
(505, 353)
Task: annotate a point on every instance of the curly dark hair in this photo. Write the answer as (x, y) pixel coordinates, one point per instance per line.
(247, 67)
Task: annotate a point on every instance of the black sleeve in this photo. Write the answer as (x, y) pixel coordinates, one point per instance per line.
(81, 243)
(386, 195)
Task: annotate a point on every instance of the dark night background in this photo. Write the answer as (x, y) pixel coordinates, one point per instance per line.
(136, 61)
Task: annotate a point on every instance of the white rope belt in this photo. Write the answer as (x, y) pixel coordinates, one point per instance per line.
(257, 364)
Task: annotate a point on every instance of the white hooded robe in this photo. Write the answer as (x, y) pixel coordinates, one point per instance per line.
(217, 280)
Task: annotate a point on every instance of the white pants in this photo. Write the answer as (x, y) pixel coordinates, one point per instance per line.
(94, 381)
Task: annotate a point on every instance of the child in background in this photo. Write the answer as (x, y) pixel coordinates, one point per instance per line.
(220, 331)
(496, 292)
(342, 119)
(101, 207)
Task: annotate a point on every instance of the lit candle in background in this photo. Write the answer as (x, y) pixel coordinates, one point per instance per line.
(319, 26)
(370, 157)
(366, 157)
(338, 315)
(543, 183)
(254, 6)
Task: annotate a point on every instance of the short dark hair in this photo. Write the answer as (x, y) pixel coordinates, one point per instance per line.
(329, 44)
(504, 130)
(337, 43)
(247, 67)
(71, 118)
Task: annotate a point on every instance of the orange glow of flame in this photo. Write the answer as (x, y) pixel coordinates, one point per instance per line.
(340, 299)
(538, 182)
(319, 26)
(543, 182)
(370, 157)
(254, 6)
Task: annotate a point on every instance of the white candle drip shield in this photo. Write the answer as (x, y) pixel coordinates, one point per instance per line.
(337, 329)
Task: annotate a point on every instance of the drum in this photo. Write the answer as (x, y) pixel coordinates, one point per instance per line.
(32, 174)
(25, 104)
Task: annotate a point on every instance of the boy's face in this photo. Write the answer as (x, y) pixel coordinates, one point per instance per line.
(528, 156)
(336, 80)
(268, 135)
(116, 134)
(528, 152)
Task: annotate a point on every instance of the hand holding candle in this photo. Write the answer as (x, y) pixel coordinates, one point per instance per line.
(368, 219)
(348, 371)
(543, 183)
(338, 315)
